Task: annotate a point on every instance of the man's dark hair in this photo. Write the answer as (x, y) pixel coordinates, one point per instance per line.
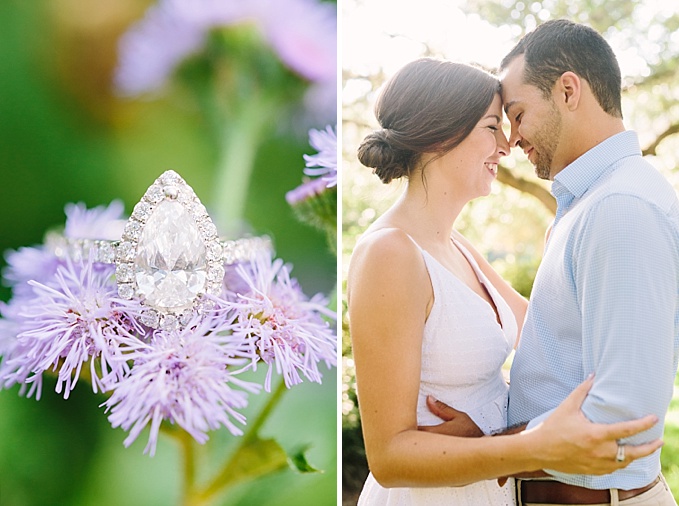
(559, 46)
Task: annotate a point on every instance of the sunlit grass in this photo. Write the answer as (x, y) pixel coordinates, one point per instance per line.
(670, 452)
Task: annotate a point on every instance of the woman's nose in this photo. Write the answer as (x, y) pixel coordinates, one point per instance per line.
(502, 144)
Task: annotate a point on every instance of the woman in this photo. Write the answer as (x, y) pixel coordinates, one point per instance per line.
(427, 320)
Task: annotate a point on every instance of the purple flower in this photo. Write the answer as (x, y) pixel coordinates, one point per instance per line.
(286, 329)
(40, 263)
(302, 32)
(187, 377)
(324, 163)
(308, 189)
(152, 49)
(26, 264)
(8, 332)
(65, 316)
(102, 222)
(315, 200)
(62, 324)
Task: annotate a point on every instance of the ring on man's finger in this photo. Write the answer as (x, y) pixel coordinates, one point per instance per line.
(620, 456)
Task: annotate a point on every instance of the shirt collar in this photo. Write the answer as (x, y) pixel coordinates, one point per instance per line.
(580, 175)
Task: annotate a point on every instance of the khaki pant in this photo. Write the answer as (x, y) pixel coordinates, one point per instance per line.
(660, 495)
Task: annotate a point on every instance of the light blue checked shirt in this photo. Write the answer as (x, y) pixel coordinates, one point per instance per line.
(605, 300)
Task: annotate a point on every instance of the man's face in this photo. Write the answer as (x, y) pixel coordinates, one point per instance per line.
(535, 120)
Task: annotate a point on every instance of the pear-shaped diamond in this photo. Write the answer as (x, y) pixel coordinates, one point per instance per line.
(171, 261)
(168, 257)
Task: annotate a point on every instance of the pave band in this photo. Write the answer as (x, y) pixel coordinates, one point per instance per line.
(169, 256)
(105, 252)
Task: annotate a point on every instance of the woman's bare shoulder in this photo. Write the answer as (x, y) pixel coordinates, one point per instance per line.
(385, 238)
(388, 246)
(386, 256)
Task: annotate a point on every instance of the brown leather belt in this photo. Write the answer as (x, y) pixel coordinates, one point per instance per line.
(555, 492)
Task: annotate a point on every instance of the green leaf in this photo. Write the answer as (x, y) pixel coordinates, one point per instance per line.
(256, 458)
(298, 461)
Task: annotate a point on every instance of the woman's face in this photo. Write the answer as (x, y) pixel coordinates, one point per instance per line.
(474, 162)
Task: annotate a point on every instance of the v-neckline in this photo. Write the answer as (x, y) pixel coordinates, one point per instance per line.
(479, 276)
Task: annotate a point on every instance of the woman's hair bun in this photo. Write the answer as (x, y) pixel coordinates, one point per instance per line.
(428, 107)
(376, 151)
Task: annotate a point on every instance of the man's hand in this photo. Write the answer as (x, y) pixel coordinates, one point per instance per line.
(455, 423)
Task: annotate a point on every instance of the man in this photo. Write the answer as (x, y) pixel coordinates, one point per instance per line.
(605, 298)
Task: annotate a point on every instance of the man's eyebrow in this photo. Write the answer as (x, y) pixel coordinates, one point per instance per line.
(508, 105)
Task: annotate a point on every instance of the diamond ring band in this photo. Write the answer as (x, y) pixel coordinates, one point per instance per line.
(169, 256)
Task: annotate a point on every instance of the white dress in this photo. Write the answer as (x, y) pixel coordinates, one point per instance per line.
(463, 349)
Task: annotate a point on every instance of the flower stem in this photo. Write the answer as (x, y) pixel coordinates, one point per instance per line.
(232, 471)
(189, 455)
(273, 401)
(186, 445)
(240, 139)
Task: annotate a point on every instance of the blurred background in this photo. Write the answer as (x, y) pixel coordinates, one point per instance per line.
(66, 135)
(508, 227)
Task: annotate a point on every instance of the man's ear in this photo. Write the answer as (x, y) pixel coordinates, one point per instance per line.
(568, 89)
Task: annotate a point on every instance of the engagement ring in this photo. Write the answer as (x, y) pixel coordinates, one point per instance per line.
(169, 256)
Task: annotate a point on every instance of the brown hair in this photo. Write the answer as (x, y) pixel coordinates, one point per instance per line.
(559, 46)
(428, 106)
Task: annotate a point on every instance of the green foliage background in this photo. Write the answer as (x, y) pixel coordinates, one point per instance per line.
(65, 137)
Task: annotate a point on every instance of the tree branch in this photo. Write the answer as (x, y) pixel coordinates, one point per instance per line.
(505, 176)
(671, 130)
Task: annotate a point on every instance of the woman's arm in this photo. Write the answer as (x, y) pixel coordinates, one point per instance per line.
(389, 295)
(517, 303)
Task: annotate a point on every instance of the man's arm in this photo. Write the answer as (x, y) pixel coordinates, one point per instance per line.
(455, 423)
(626, 282)
(625, 272)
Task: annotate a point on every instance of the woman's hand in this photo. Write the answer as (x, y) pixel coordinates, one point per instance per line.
(568, 442)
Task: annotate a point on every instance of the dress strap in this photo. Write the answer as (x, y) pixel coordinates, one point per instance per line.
(507, 320)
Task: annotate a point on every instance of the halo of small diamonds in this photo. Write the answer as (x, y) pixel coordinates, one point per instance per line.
(170, 187)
